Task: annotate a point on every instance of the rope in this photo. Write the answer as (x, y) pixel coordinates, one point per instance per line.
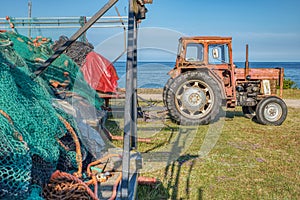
(66, 186)
(97, 162)
(62, 144)
(115, 187)
(6, 116)
(16, 134)
(77, 144)
(9, 43)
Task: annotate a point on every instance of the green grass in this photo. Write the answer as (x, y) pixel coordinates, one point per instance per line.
(249, 160)
(291, 94)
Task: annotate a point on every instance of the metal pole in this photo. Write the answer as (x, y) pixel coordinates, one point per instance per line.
(68, 43)
(247, 62)
(125, 44)
(29, 18)
(134, 85)
(129, 98)
(82, 21)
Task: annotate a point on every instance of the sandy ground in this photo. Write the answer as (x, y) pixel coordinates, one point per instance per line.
(295, 103)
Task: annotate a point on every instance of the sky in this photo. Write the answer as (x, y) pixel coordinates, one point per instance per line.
(270, 27)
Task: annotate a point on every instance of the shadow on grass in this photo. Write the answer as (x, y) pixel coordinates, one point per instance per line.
(172, 174)
(161, 144)
(150, 192)
(232, 114)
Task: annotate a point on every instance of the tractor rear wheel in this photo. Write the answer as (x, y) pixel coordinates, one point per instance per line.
(194, 98)
(165, 91)
(271, 111)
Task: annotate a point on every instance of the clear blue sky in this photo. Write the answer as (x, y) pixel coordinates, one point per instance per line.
(270, 27)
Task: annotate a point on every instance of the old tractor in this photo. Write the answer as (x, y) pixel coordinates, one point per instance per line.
(205, 79)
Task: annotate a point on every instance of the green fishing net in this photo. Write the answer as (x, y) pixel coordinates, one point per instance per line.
(31, 52)
(29, 125)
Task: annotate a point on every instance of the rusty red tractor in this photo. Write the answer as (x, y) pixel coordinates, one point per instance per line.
(205, 79)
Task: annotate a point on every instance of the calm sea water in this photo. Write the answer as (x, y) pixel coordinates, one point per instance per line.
(154, 74)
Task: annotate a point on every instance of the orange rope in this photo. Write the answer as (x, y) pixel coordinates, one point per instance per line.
(97, 162)
(62, 144)
(115, 187)
(94, 179)
(7, 117)
(61, 179)
(95, 185)
(77, 144)
(17, 135)
(90, 182)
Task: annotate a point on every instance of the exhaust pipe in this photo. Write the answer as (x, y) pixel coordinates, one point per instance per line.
(247, 64)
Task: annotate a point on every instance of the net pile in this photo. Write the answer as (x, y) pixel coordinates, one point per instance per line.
(38, 50)
(77, 51)
(36, 138)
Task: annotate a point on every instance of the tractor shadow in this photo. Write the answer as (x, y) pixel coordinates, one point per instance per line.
(172, 182)
(230, 115)
(173, 174)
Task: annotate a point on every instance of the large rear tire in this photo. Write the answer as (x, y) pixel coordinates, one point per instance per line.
(165, 91)
(271, 111)
(194, 98)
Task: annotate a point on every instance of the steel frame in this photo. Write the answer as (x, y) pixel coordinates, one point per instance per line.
(61, 22)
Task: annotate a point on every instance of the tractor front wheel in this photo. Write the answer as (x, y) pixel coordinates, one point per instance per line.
(271, 111)
(193, 98)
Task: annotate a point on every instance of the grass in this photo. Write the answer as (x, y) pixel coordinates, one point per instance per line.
(249, 160)
(291, 94)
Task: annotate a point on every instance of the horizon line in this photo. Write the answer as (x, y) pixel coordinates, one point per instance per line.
(233, 62)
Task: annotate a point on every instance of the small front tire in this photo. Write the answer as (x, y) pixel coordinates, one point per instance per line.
(271, 111)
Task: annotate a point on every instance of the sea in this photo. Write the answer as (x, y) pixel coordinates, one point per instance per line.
(155, 74)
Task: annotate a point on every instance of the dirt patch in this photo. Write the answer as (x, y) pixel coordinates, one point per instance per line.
(295, 103)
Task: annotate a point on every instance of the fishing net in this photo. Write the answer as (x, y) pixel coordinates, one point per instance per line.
(15, 167)
(36, 138)
(77, 51)
(38, 50)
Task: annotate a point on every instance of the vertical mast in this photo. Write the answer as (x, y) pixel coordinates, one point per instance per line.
(247, 62)
(130, 98)
(29, 17)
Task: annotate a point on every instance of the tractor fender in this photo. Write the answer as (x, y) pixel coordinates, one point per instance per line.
(219, 81)
(220, 84)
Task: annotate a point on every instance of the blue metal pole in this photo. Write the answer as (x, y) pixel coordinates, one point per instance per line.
(129, 121)
(134, 85)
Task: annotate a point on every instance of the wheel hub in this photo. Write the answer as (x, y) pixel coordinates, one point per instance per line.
(273, 112)
(193, 99)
